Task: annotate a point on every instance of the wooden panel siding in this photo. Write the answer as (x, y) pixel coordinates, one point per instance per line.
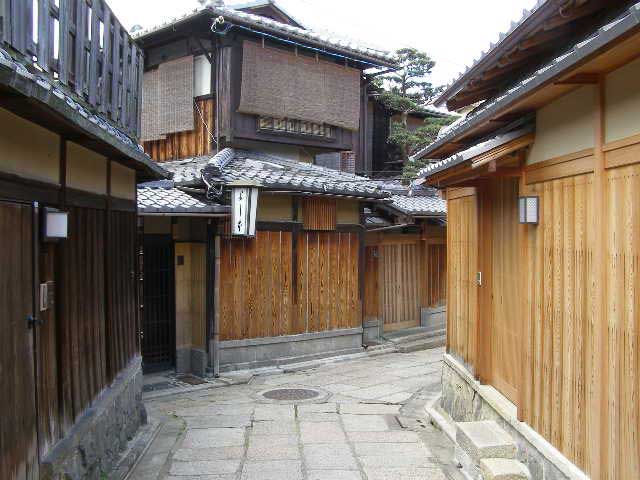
(462, 267)
(18, 440)
(260, 298)
(192, 143)
(434, 266)
(123, 341)
(622, 314)
(82, 340)
(256, 286)
(371, 282)
(319, 213)
(399, 274)
(328, 281)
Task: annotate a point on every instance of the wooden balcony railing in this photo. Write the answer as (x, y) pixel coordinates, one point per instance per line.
(81, 44)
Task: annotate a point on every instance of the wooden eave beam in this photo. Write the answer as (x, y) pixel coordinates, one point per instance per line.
(502, 151)
(580, 79)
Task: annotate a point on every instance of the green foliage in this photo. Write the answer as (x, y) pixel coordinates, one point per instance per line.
(408, 90)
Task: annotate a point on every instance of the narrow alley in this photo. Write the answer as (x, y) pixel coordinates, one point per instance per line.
(350, 420)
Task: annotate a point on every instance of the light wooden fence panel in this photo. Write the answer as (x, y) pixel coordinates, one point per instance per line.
(462, 267)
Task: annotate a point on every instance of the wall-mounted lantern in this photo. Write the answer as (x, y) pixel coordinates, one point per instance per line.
(55, 224)
(528, 208)
(244, 203)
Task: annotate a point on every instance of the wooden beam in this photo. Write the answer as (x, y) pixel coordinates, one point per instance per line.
(580, 79)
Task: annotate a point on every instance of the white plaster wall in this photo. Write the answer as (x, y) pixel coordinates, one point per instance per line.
(564, 126)
(28, 150)
(622, 114)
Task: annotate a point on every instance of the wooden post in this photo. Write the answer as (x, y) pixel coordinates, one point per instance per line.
(597, 331)
(215, 360)
(526, 378)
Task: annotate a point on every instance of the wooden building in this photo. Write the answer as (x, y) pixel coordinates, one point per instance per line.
(542, 301)
(405, 263)
(257, 99)
(70, 365)
(293, 291)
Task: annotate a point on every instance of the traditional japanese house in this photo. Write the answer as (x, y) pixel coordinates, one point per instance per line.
(70, 365)
(405, 263)
(541, 181)
(256, 99)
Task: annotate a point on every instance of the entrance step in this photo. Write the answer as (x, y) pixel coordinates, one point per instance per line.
(413, 334)
(484, 439)
(503, 469)
(422, 344)
(477, 441)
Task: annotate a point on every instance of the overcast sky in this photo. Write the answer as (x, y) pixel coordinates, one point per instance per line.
(452, 32)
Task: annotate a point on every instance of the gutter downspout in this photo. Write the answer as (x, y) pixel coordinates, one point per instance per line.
(392, 227)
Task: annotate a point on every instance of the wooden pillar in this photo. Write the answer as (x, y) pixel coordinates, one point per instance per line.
(526, 377)
(597, 331)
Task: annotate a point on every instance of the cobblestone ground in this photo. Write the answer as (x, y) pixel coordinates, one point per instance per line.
(369, 424)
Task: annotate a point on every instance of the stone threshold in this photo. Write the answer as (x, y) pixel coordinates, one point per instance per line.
(508, 412)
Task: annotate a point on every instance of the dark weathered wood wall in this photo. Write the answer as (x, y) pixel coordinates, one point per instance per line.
(89, 336)
(18, 440)
(269, 287)
(187, 144)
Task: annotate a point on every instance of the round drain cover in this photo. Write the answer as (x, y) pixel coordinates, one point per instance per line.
(291, 394)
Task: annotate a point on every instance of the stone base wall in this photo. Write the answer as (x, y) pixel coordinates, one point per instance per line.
(465, 400)
(93, 446)
(372, 330)
(434, 318)
(269, 351)
(191, 360)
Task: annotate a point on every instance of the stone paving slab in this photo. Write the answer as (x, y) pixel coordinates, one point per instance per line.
(329, 456)
(228, 433)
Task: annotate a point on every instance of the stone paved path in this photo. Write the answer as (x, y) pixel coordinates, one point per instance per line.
(370, 426)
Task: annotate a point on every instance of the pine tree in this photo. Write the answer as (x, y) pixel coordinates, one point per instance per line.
(409, 90)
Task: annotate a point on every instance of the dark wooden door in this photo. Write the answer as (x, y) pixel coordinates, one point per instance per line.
(18, 437)
(159, 305)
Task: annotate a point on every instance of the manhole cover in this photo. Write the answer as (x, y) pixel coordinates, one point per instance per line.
(291, 394)
(191, 379)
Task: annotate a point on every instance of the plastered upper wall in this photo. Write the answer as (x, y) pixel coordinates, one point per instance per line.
(123, 182)
(564, 126)
(86, 170)
(622, 114)
(348, 212)
(274, 208)
(28, 150)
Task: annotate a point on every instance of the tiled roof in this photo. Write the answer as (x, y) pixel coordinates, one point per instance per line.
(418, 200)
(38, 86)
(164, 197)
(325, 40)
(263, 3)
(560, 64)
(271, 172)
(474, 151)
(419, 205)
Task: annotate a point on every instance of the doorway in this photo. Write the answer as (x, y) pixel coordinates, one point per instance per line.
(500, 296)
(159, 304)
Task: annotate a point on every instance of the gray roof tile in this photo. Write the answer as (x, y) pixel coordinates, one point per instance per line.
(164, 197)
(272, 172)
(419, 205)
(293, 33)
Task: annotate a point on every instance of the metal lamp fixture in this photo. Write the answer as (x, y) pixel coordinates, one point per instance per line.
(528, 209)
(244, 203)
(55, 224)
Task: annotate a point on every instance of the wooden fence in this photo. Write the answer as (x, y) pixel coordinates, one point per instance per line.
(403, 273)
(281, 283)
(82, 45)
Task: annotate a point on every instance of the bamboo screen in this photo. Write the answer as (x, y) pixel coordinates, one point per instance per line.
(276, 83)
(167, 99)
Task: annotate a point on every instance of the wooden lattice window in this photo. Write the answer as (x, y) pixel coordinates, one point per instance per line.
(319, 213)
